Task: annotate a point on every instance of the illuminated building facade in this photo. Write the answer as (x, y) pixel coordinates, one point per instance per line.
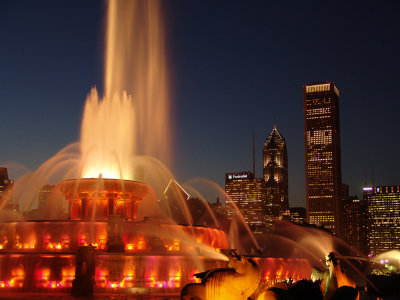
(248, 194)
(297, 215)
(356, 220)
(44, 195)
(383, 206)
(5, 186)
(322, 156)
(275, 171)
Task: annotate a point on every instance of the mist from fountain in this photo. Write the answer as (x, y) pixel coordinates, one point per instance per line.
(209, 185)
(62, 166)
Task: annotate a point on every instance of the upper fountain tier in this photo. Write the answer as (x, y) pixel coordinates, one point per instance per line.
(97, 198)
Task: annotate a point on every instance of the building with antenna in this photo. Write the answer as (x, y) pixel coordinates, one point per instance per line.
(275, 173)
(322, 156)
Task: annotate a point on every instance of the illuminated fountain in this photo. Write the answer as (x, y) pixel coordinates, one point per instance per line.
(106, 222)
(131, 253)
(130, 256)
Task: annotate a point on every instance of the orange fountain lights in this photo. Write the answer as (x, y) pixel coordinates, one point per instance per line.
(43, 278)
(68, 275)
(174, 246)
(101, 277)
(3, 243)
(136, 245)
(48, 244)
(21, 245)
(82, 240)
(16, 280)
(101, 242)
(173, 282)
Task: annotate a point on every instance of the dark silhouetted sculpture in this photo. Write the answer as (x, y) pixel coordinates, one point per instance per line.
(83, 283)
(238, 281)
(333, 278)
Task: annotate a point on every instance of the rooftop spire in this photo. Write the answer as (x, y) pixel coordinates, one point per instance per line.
(254, 163)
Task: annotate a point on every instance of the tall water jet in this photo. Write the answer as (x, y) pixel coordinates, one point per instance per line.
(107, 136)
(133, 117)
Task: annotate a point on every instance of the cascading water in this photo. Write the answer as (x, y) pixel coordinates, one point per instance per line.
(107, 136)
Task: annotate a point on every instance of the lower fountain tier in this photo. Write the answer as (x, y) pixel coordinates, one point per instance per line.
(127, 274)
(143, 237)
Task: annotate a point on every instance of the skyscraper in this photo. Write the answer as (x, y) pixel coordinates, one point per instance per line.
(383, 206)
(248, 194)
(275, 170)
(356, 220)
(44, 196)
(322, 155)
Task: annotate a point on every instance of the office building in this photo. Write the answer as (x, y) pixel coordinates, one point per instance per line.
(247, 194)
(44, 196)
(383, 206)
(322, 156)
(356, 221)
(5, 188)
(275, 172)
(297, 215)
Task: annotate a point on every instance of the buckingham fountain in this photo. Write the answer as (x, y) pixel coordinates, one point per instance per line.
(109, 226)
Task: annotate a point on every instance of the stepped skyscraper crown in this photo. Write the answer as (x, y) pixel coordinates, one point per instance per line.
(275, 171)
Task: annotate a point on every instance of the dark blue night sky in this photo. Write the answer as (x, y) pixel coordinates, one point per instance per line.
(236, 66)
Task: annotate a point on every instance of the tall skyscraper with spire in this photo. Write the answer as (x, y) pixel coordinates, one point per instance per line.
(322, 156)
(275, 171)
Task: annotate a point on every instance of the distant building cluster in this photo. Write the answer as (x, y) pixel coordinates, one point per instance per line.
(383, 211)
(371, 225)
(262, 200)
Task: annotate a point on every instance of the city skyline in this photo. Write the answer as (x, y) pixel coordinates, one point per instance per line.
(235, 69)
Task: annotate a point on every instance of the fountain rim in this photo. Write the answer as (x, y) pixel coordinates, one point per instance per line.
(112, 185)
(94, 179)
